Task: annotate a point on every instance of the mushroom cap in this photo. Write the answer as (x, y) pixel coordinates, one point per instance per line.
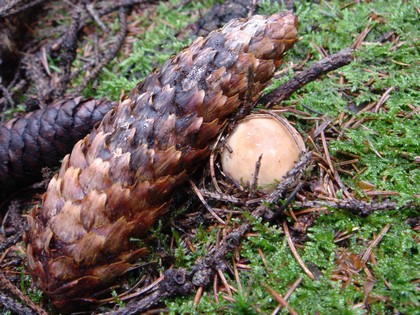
(273, 137)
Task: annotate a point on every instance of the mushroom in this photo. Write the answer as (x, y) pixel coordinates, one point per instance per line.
(261, 134)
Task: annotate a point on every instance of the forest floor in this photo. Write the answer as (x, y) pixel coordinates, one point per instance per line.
(344, 239)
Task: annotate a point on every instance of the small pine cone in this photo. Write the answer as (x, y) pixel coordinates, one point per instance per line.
(43, 137)
(118, 180)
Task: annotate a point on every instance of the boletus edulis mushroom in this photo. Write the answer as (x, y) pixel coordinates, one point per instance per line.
(268, 135)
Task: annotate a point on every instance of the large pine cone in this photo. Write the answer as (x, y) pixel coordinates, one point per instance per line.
(118, 180)
(41, 138)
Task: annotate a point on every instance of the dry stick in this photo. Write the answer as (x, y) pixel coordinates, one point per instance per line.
(11, 240)
(295, 253)
(280, 299)
(326, 152)
(287, 295)
(357, 206)
(148, 288)
(320, 131)
(4, 254)
(264, 261)
(359, 40)
(414, 111)
(383, 99)
(143, 304)
(106, 10)
(212, 161)
(292, 288)
(254, 183)
(12, 89)
(228, 198)
(173, 282)
(124, 4)
(17, 222)
(198, 295)
(90, 8)
(291, 178)
(37, 73)
(375, 243)
(7, 95)
(16, 6)
(109, 55)
(10, 304)
(345, 235)
(11, 288)
(224, 281)
(340, 59)
(44, 60)
(321, 50)
(215, 291)
(128, 294)
(334, 173)
(213, 173)
(204, 202)
(13, 7)
(324, 124)
(68, 54)
(236, 274)
(290, 198)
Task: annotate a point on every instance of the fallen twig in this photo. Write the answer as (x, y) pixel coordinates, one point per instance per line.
(359, 207)
(375, 243)
(290, 179)
(11, 288)
(16, 6)
(12, 305)
(175, 281)
(330, 63)
(7, 95)
(94, 14)
(68, 54)
(279, 299)
(295, 253)
(287, 295)
(205, 204)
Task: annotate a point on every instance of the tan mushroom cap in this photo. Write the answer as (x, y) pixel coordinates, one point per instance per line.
(273, 137)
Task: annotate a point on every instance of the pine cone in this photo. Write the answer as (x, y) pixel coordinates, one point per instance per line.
(41, 138)
(118, 180)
